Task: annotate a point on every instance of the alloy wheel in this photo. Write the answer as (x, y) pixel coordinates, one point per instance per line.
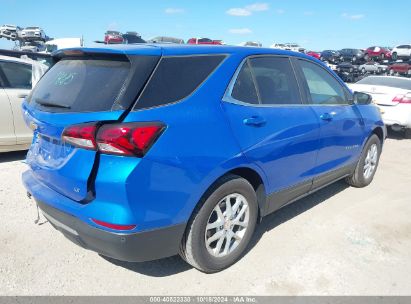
(227, 225)
(370, 161)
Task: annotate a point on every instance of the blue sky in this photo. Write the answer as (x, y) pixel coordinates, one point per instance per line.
(316, 25)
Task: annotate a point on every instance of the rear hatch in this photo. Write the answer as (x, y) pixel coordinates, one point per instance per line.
(84, 85)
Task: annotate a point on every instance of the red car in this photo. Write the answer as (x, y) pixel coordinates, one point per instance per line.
(113, 37)
(377, 52)
(314, 54)
(204, 41)
(400, 68)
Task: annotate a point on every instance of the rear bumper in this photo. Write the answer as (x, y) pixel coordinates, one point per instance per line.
(135, 247)
(73, 220)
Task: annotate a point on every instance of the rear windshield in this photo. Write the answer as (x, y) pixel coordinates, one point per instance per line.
(81, 85)
(404, 84)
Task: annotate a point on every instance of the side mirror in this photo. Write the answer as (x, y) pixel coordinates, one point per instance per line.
(362, 98)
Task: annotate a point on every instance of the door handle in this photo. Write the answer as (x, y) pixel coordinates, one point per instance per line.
(22, 95)
(327, 117)
(255, 121)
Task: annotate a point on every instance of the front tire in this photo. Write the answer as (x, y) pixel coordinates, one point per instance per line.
(221, 228)
(367, 164)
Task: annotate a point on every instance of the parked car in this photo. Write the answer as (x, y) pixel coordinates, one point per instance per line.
(377, 52)
(294, 47)
(113, 37)
(33, 33)
(251, 43)
(132, 37)
(393, 96)
(17, 76)
(401, 51)
(330, 56)
(280, 46)
(164, 39)
(348, 72)
(100, 170)
(373, 67)
(45, 59)
(33, 46)
(400, 67)
(316, 55)
(353, 55)
(9, 31)
(204, 41)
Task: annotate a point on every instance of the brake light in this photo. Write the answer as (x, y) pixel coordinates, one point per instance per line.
(402, 99)
(128, 139)
(82, 136)
(114, 226)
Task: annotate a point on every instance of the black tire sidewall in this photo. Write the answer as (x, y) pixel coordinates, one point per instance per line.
(203, 258)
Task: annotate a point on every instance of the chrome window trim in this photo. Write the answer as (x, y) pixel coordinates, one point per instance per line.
(227, 95)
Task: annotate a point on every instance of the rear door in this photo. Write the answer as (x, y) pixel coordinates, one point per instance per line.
(18, 83)
(341, 123)
(274, 129)
(82, 87)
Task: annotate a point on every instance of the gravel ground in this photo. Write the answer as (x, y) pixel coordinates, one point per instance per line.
(339, 241)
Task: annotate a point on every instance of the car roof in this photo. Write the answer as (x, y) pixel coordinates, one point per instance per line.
(180, 49)
(15, 59)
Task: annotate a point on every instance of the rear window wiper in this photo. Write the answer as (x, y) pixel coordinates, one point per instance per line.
(47, 103)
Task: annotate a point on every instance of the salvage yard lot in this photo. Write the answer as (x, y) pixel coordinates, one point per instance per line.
(338, 241)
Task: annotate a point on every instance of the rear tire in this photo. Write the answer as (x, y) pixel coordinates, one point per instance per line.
(205, 244)
(367, 165)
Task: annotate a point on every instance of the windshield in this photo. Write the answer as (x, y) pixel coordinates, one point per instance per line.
(81, 85)
(399, 83)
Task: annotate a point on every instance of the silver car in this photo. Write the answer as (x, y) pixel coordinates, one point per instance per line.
(373, 67)
(17, 77)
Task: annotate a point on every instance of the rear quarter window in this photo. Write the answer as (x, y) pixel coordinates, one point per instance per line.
(175, 78)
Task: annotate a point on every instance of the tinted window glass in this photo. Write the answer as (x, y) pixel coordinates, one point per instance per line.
(275, 80)
(244, 89)
(18, 76)
(324, 89)
(81, 85)
(175, 78)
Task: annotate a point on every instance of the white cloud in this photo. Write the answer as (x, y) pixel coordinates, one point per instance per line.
(238, 12)
(280, 11)
(248, 9)
(113, 26)
(171, 10)
(257, 7)
(353, 17)
(240, 31)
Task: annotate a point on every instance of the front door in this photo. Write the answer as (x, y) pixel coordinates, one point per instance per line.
(341, 123)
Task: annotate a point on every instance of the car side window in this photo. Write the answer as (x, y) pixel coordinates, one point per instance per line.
(323, 88)
(17, 75)
(275, 80)
(244, 89)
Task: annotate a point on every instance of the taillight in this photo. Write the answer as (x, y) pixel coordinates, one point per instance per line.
(402, 99)
(82, 136)
(130, 139)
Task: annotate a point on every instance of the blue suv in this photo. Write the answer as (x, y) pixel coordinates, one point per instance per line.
(146, 151)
